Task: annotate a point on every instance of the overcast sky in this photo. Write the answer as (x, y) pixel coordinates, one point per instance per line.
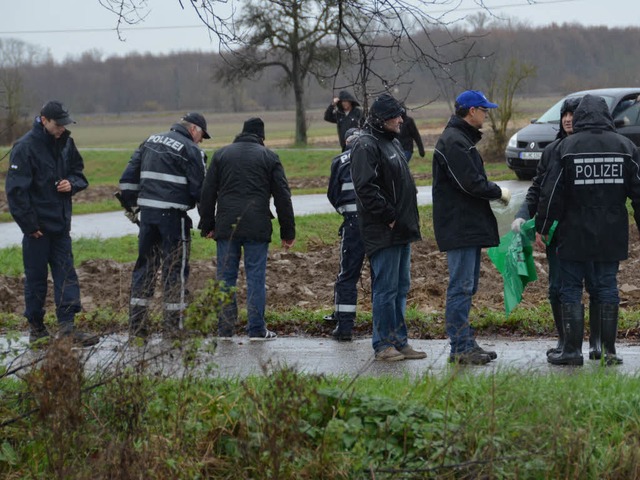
(70, 27)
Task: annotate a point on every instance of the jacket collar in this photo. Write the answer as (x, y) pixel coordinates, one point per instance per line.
(469, 130)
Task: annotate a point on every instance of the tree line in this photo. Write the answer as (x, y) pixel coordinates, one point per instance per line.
(557, 58)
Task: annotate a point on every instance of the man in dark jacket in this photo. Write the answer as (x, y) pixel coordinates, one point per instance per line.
(235, 212)
(462, 218)
(163, 180)
(343, 198)
(591, 174)
(388, 212)
(45, 170)
(409, 135)
(344, 111)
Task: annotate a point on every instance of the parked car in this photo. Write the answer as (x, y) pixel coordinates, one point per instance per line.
(524, 149)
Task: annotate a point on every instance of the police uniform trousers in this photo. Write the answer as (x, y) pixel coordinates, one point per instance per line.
(351, 260)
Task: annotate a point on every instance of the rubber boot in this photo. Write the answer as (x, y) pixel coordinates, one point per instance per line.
(556, 310)
(343, 332)
(138, 322)
(609, 316)
(573, 326)
(595, 331)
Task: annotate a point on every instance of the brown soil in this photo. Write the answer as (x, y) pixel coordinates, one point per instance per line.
(305, 280)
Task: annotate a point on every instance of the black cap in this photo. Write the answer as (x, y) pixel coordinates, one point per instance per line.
(385, 107)
(197, 119)
(54, 110)
(254, 125)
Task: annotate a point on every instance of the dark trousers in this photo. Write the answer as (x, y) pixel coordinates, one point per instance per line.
(38, 254)
(351, 259)
(164, 241)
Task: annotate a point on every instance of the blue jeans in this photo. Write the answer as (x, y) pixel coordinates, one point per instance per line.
(390, 282)
(464, 272)
(600, 279)
(38, 254)
(255, 266)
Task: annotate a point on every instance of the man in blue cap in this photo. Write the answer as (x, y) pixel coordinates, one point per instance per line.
(462, 218)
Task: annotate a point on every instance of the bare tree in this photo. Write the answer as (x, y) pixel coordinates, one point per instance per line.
(14, 56)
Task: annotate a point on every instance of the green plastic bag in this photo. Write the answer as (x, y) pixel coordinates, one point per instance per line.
(514, 260)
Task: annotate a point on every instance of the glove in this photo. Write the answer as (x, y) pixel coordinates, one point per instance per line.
(506, 196)
(421, 153)
(517, 224)
(133, 215)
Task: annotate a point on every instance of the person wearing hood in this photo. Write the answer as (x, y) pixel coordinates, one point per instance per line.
(346, 113)
(45, 171)
(528, 211)
(591, 174)
(234, 211)
(387, 208)
(161, 183)
(463, 221)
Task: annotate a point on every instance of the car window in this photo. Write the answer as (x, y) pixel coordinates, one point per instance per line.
(553, 114)
(629, 116)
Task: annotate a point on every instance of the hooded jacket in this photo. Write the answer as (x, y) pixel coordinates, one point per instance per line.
(165, 172)
(237, 189)
(38, 161)
(592, 172)
(385, 192)
(462, 216)
(343, 120)
(409, 134)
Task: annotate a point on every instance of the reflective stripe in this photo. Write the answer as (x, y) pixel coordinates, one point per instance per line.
(347, 186)
(146, 202)
(175, 306)
(341, 209)
(129, 186)
(165, 177)
(139, 302)
(345, 308)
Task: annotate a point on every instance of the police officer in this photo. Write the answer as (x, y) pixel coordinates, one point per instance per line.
(163, 181)
(343, 198)
(592, 172)
(45, 171)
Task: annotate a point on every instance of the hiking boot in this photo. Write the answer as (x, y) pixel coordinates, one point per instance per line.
(411, 354)
(470, 357)
(492, 355)
(78, 337)
(341, 335)
(38, 336)
(389, 354)
(267, 335)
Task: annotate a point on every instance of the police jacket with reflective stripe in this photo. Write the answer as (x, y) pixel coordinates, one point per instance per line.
(591, 175)
(38, 161)
(385, 191)
(341, 193)
(462, 216)
(240, 181)
(166, 171)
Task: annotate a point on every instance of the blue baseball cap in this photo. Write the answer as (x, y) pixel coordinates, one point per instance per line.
(473, 98)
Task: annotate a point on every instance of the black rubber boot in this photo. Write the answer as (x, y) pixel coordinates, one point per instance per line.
(556, 310)
(573, 329)
(343, 332)
(595, 331)
(609, 317)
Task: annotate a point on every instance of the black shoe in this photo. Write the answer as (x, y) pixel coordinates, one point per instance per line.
(470, 357)
(492, 355)
(341, 336)
(38, 336)
(80, 338)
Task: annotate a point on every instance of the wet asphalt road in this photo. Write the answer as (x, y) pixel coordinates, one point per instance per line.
(115, 224)
(240, 358)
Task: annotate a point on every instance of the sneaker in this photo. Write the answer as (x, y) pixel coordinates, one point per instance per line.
(38, 336)
(411, 354)
(492, 355)
(267, 335)
(389, 354)
(470, 357)
(80, 338)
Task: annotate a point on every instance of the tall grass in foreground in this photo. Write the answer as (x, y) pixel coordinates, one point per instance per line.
(285, 425)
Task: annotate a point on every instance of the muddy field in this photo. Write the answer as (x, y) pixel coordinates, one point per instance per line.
(305, 281)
